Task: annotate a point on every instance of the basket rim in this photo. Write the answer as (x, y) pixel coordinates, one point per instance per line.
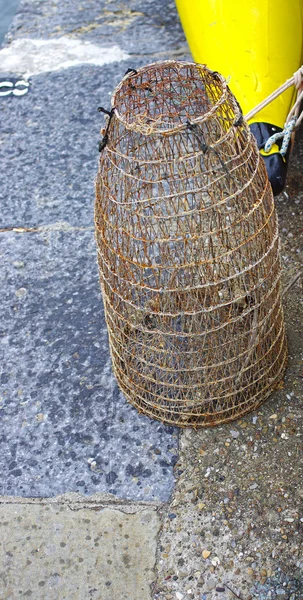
(133, 125)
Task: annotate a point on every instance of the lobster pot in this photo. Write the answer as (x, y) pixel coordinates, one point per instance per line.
(188, 249)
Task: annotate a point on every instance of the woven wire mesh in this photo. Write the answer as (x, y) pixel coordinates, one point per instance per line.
(188, 249)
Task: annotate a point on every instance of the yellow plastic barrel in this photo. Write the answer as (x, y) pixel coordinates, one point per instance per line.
(256, 45)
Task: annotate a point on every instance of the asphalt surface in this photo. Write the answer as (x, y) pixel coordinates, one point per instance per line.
(7, 11)
(66, 427)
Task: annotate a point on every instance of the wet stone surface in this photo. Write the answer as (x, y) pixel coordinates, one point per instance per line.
(145, 28)
(65, 425)
(49, 146)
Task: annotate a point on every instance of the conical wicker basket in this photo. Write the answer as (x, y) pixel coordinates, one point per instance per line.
(188, 249)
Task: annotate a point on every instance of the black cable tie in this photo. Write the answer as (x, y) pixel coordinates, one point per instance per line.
(216, 75)
(192, 127)
(239, 121)
(129, 71)
(104, 140)
(103, 143)
(103, 110)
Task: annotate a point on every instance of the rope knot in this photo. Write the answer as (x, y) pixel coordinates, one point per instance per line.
(285, 135)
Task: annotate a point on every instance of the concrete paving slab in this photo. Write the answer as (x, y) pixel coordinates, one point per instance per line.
(65, 425)
(66, 551)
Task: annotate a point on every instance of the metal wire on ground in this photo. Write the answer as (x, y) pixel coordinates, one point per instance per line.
(188, 249)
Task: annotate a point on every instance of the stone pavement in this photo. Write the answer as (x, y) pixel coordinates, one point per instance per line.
(99, 501)
(72, 549)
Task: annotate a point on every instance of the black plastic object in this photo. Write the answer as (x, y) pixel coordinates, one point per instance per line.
(276, 164)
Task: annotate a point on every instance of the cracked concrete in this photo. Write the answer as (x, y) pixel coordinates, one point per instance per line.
(66, 549)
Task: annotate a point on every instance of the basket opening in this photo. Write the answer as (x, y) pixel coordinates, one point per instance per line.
(164, 96)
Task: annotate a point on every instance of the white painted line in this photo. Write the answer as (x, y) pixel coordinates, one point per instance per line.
(6, 84)
(31, 57)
